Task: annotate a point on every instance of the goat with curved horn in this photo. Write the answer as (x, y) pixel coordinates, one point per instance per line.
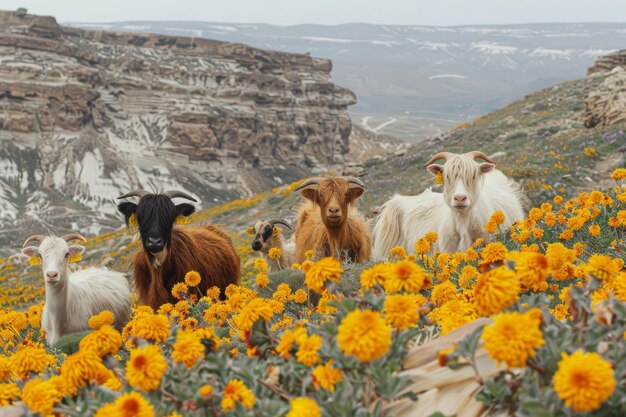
(438, 156)
(354, 181)
(312, 183)
(279, 221)
(480, 155)
(175, 193)
(73, 236)
(135, 193)
(33, 238)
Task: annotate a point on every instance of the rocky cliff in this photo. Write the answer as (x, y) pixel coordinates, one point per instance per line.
(606, 105)
(86, 114)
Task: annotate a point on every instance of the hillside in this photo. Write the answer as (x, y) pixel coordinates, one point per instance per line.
(423, 79)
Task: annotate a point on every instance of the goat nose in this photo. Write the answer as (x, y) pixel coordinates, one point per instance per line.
(460, 198)
(52, 274)
(334, 210)
(154, 244)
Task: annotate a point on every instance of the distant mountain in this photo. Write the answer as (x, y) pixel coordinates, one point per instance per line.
(417, 80)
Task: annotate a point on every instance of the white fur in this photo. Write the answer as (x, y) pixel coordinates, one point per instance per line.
(405, 219)
(73, 297)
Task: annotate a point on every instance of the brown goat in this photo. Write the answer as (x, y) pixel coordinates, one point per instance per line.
(329, 223)
(168, 252)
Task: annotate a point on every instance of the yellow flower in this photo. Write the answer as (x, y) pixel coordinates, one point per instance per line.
(8, 393)
(453, 315)
(145, 368)
(404, 275)
(583, 380)
(443, 292)
(326, 376)
(103, 318)
(495, 290)
(205, 391)
(82, 368)
(188, 348)
(618, 174)
(30, 359)
(300, 296)
(253, 311)
(154, 327)
(261, 265)
(602, 267)
(422, 246)
(560, 311)
(532, 269)
(275, 253)
(493, 252)
(105, 341)
(491, 227)
(309, 254)
(374, 275)
(558, 255)
(262, 280)
(41, 396)
(304, 407)
(514, 337)
(397, 252)
(497, 217)
(179, 290)
(307, 350)
(364, 334)
(594, 230)
(237, 392)
(431, 237)
(401, 310)
(132, 404)
(326, 269)
(192, 278)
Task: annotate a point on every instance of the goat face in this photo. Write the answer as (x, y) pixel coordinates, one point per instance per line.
(155, 215)
(462, 177)
(55, 253)
(262, 230)
(333, 196)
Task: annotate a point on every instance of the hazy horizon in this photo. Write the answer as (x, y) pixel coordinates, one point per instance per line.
(329, 12)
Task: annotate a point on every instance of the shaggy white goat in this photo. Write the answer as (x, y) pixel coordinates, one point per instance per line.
(265, 239)
(73, 297)
(472, 193)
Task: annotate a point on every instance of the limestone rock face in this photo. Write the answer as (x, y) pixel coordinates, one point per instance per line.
(89, 114)
(606, 63)
(606, 105)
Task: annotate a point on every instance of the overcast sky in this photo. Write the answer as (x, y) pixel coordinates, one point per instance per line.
(291, 12)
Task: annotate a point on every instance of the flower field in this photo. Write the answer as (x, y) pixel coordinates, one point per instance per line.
(333, 339)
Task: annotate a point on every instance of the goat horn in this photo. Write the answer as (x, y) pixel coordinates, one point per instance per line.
(354, 180)
(37, 238)
(480, 155)
(135, 193)
(73, 236)
(181, 194)
(278, 221)
(308, 183)
(440, 155)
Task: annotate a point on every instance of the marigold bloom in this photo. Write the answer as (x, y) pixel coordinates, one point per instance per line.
(558, 255)
(401, 310)
(513, 338)
(495, 291)
(105, 341)
(103, 318)
(237, 392)
(132, 404)
(364, 334)
(532, 269)
(442, 293)
(41, 396)
(491, 227)
(145, 368)
(493, 252)
(205, 391)
(154, 327)
(8, 393)
(422, 246)
(253, 311)
(192, 278)
(274, 253)
(83, 367)
(326, 269)
(179, 290)
(262, 280)
(431, 237)
(497, 217)
(300, 296)
(453, 315)
(326, 376)
(261, 265)
(618, 174)
(404, 275)
(188, 348)
(30, 359)
(307, 350)
(602, 267)
(584, 380)
(304, 407)
(374, 275)
(397, 252)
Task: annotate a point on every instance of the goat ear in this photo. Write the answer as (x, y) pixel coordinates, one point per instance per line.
(30, 251)
(77, 249)
(185, 209)
(127, 209)
(310, 192)
(354, 193)
(487, 167)
(435, 169)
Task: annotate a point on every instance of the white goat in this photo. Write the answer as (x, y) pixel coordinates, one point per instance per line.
(265, 239)
(73, 297)
(472, 193)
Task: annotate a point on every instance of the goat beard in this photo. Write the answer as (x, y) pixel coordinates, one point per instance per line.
(159, 258)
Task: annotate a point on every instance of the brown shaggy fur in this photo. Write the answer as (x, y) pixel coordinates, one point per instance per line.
(207, 250)
(350, 237)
